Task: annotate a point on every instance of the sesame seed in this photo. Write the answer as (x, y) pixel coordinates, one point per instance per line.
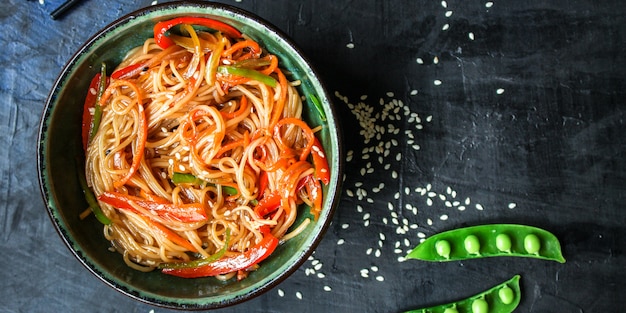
(470, 36)
(340, 242)
(437, 82)
(413, 92)
(489, 4)
(421, 235)
(443, 217)
(445, 27)
(377, 253)
(368, 251)
(419, 61)
(381, 236)
(435, 60)
(380, 278)
(429, 221)
(479, 207)
(385, 220)
(345, 225)
(299, 295)
(448, 13)
(281, 293)
(350, 45)
(444, 4)
(512, 205)
(461, 208)
(429, 202)
(327, 288)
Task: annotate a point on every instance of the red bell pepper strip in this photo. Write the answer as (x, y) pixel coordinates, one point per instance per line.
(229, 264)
(91, 122)
(161, 28)
(188, 213)
(322, 171)
(263, 182)
(268, 204)
(90, 101)
(128, 71)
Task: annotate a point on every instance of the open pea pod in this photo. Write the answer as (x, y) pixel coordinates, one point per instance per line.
(489, 241)
(502, 298)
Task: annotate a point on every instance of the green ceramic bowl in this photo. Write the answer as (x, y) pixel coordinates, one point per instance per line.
(59, 147)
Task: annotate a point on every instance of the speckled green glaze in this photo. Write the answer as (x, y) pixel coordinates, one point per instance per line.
(59, 146)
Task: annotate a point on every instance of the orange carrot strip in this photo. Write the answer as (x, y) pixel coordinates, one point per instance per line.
(280, 104)
(243, 106)
(171, 235)
(254, 46)
(308, 133)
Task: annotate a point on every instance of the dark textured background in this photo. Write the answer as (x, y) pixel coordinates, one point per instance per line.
(527, 126)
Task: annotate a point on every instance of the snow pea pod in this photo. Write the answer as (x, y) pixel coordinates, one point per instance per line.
(502, 298)
(489, 241)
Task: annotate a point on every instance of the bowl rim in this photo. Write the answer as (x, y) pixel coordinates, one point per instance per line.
(48, 196)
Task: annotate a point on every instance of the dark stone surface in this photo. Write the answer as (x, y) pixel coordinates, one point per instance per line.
(527, 126)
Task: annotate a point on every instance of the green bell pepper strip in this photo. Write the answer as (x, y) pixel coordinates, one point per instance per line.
(251, 63)
(91, 200)
(489, 240)
(247, 73)
(186, 178)
(97, 116)
(200, 262)
(502, 298)
(318, 106)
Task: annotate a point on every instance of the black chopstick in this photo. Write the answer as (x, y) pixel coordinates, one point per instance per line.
(63, 8)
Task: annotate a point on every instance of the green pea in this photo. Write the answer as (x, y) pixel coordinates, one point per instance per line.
(472, 244)
(503, 242)
(532, 244)
(489, 240)
(443, 248)
(480, 306)
(484, 302)
(506, 295)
